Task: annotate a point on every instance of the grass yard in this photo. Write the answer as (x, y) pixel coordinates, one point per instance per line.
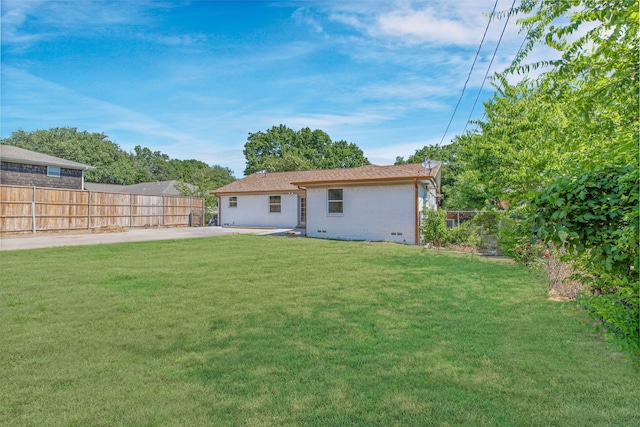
(267, 331)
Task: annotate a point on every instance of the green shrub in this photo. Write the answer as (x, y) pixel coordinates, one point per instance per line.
(434, 230)
(488, 222)
(434, 227)
(516, 241)
(467, 233)
(595, 216)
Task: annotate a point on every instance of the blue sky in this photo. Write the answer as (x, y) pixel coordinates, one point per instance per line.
(193, 78)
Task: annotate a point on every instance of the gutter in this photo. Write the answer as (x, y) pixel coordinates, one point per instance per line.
(219, 210)
(416, 224)
(77, 166)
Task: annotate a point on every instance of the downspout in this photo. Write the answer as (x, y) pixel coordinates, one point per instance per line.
(417, 212)
(219, 211)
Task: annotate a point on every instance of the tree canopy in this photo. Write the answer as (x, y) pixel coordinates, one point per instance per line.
(449, 155)
(117, 166)
(562, 149)
(282, 149)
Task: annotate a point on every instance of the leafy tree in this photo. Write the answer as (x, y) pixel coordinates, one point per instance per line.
(116, 166)
(282, 149)
(580, 113)
(564, 147)
(201, 181)
(285, 163)
(342, 154)
(153, 165)
(449, 155)
(113, 165)
(523, 138)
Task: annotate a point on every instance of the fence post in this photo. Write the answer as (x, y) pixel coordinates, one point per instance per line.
(130, 210)
(89, 212)
(33, 210)
(163, 203)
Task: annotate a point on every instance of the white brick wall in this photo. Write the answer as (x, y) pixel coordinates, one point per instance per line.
(375, 212)
(253, 211)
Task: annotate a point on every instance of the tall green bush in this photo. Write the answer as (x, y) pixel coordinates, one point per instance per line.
(595, 216)
(434, 227)
(435, 231)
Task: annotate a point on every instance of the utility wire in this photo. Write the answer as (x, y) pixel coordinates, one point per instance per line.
(484, 114)
(470, 71)
(491, 63)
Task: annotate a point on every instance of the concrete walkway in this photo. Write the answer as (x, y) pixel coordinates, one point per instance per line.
(33, 241)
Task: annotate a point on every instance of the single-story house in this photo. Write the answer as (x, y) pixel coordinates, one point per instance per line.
(24, 167)
(376, 203)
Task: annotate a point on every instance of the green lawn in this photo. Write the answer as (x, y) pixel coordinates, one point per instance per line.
(250, 330)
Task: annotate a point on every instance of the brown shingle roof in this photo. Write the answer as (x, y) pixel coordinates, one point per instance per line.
(265, 182)
(289, 181)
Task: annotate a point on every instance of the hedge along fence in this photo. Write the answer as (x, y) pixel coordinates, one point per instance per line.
(33, 209)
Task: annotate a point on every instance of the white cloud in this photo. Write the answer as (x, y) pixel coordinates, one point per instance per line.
(420, 26)
(328, 121)
(46, 104)
(349, 20)
(58, 18)
(437, 22)
(176, 40)
(304, 16)
(14, 15)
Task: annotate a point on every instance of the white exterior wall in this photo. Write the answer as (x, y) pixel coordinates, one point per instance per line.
(253, 211)
(427, 197)
(370, 212)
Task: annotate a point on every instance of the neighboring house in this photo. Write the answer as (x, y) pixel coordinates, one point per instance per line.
(377, 203)
(158, 188)
(24, 167)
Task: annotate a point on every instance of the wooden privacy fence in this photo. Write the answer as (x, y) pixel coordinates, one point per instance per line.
(32, 209)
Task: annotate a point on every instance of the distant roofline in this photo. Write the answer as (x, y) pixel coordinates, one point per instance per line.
(45, 159)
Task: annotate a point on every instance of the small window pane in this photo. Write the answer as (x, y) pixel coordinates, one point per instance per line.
(53, 171)
(335, 194)
(233, 202)
(335, 207)
(274, 204)
(334, 199)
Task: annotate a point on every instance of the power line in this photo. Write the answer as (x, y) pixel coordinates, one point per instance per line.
(471, 70)
(491, 63)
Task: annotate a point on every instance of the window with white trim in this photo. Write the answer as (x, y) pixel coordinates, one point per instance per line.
(233, 202)
(53, 171)
(275, 204)
(334, 201)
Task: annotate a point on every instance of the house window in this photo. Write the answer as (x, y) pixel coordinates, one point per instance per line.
(233, 202)
(275, 204)
(53, 171)
(334, 198)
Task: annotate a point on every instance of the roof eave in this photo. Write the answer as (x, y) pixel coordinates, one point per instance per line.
(363, 180)
(44, 163)
(227, 193)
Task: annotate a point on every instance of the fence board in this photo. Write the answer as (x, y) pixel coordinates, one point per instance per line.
(59, 209)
